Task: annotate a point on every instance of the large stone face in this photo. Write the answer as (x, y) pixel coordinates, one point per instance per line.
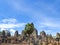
(16, 34)
(42, 34)
(34, 36)
(35, 33)
(58, 35)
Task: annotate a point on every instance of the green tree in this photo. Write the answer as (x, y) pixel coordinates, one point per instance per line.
(29, 28)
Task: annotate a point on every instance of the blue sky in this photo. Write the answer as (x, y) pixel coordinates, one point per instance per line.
(45, 14)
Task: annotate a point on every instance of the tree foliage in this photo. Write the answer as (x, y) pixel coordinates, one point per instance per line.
(29, 28)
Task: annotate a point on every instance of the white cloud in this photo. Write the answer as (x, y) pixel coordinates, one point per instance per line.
(1, 29)
(10, 24)
(12, 31)
(11, 20)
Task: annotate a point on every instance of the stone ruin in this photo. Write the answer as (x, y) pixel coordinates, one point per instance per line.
(35, 39)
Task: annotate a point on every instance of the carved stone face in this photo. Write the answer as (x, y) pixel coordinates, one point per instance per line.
(43, 34)
(35, 33)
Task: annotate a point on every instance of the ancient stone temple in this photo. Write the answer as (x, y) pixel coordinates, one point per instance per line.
(35, 36)
(35, 39)
(35, 33)
(43, 35)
